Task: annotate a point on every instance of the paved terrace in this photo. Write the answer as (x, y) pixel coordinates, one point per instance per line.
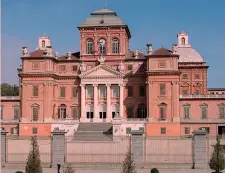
(48, 170)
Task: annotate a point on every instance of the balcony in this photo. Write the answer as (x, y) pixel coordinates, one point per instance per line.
(137, 119)
(9, 121)
(202, 96)
(10, 98)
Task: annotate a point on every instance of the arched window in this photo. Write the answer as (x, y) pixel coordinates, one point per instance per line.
(43, 44)
(183, 40)
(162, 111)
(141, 111)
(62, 111)
(35, 112)
(115, 109)
(89, 46)
(102, 111)
(102, 46)
(115, 45)
(90, 111)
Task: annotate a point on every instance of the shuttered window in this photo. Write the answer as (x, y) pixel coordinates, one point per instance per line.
(35, 113)
(186, 112)
(74, 92)
(35, 91)
(62, 91)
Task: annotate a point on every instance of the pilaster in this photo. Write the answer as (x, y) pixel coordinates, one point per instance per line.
(108, 114)
(95, 102)
(121, 100)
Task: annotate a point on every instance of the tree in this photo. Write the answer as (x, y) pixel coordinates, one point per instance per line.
(33, 161)
(217, 161)
(9, 90)
(128, 164)
(69, 169)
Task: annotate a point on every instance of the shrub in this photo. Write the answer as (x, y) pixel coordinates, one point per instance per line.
(18, 172)
(217, 161)
(33, 162)
(68, 169)
(154, 170)
(128, 164)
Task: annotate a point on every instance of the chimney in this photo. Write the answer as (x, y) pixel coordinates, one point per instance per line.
(174, 48)
(24, 51)
(149, 49)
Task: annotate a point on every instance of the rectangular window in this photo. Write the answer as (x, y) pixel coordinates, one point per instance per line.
(162, 89)
(221, 111)
(62, 92)
(163, 130)
(74, 92)
(185, 76)
(185, 92)
(187, 112)
(115, 90)
(129, 91)
(197, 76)
(35, 91)
(2, 110)
(162, 64)
(142, 91)
(128, 130)
(130, 67)
(75, 68)
(35, 114)
(162, 113)
(34, 130)
(197, 92)
(129, 112)
(187, 130)
(204, 112)
(35, 65)
(102, 91)
(16, 113)
(62, 68)
(89, 91)
(75, 113)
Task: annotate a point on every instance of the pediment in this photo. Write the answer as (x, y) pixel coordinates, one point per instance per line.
(101, 71)
(185, 84)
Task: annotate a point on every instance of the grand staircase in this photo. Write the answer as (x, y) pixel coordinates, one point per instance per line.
(94, 132)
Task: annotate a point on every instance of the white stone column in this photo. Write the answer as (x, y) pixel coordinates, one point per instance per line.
(121, 100)
(83, 96)
(108, 113)
(96, 116)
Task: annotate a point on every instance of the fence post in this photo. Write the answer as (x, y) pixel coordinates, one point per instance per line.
(117, 121)
(200, 149)
(58, 147)
(3, 147)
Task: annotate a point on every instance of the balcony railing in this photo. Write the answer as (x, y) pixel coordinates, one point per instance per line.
(9, 121)
(136, 119)
(203, 96)
(9, 97)
(207, 120)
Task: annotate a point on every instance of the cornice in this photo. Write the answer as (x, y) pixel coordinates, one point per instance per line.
(166, 73)
(54, 76)
(193, 67)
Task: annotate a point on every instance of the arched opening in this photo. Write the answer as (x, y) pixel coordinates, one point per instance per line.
(141, 111)
(183, 41)
(43, 44)
(102, 46)
(115, 110)
(62, 111)
(115, 45)
(89, 46)
(102, 111)
(90, 111)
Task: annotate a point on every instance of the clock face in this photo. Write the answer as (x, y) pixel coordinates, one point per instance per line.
(102, 41)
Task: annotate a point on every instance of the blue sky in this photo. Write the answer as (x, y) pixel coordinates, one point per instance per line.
(150, 21)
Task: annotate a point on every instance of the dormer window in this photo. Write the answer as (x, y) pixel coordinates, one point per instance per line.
(89, 46)
(182, 40)
(115, 46)
(43, 44)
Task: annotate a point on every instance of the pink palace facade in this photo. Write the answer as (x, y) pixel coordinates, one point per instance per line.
(162, 92)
